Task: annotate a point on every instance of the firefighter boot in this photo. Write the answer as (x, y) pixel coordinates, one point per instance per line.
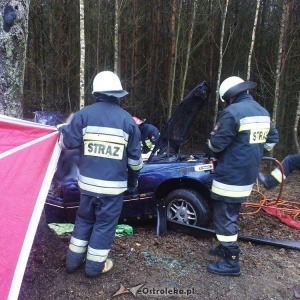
(74, 261)
(268, 181)
(218, 251)
(228, 265)
(95, 269)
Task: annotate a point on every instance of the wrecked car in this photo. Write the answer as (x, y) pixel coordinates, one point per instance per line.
(182, 180)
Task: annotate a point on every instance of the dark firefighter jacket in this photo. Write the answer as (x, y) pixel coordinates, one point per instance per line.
(149, 135)
(243, 132)
(109, 141)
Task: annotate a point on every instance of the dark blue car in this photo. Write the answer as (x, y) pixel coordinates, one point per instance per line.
(180, 181)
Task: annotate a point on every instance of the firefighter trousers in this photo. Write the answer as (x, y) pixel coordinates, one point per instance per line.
(225, 219)
(94, 231)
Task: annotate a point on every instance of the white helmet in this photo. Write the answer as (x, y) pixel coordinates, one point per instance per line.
(108, 83)
(232, 86)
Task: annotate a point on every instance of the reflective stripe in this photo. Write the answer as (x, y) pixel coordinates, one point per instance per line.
(227, 238)
(102, 183)
(276, 173)
(255, 122)
(97, 255)
(77, 249)
(101, 190)
(235, 191)
(61, 141)
(135, 164)
(210, 146)
(105, 138)
(269, 146)
(102, 186)
(77, 246)
(105, 130)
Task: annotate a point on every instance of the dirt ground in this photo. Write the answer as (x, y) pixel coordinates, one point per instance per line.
(168, 266)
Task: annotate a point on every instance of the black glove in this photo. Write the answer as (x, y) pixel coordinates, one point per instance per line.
(133, 182)
(134, 190)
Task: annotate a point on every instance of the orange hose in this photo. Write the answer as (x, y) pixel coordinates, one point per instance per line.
(286, 207)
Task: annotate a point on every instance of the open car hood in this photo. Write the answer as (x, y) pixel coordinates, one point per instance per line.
(174, 133)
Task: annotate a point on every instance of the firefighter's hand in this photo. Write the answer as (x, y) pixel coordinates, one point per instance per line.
(133, 189)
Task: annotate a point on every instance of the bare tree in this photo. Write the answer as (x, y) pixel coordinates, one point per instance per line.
(220, 59)
(82, 56)
(116, 37)
(188, 49)
(295, 131)
(253, 39)
(172, 65)
(13, 37)
(279, 62)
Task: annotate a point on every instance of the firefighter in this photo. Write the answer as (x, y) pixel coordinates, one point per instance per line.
(149, 135)
(289, 164)
(238, 140)
(110, 161)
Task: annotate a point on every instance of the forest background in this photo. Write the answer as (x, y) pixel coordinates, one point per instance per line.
(161, 49)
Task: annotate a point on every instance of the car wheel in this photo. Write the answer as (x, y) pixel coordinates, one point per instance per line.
(188, 207)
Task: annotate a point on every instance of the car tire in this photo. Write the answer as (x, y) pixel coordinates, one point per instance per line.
(188, 207)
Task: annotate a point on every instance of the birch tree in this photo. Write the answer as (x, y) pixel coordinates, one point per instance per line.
(279, 63)
(13, 37)
(188, 49)
(82, 56)
(295, 131)
(173, 56)
(253, 39)
(220, 59)
(116, 37)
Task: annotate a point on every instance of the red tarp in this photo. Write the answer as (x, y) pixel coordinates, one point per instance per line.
(28, 158)
(284, 218)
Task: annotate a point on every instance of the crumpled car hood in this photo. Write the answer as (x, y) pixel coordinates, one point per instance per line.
(174, 133)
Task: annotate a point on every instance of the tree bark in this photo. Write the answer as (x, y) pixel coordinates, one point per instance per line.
(13, 41)
(295, 131)
(116, 38)
(82, 56)
(252, 39)
(279, 64)
(172, 64)
(220, 59)
(188, 50)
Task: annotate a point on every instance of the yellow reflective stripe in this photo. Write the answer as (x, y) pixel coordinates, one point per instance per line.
(104, 183)
(105, 138)
(269, 146)
(101, 190)
(235, 191)
(210, 146)
(78, 242)
(249, 126)
(105, 130)
(77, 249)
(77, 245)
(97, 255)
(227, 238)
(135, 164)
(276, 173)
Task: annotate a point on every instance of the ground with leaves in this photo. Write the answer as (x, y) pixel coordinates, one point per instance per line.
(174, 263)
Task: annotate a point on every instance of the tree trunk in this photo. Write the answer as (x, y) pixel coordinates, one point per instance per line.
(82, 56)
(220, 59)
(172, 64)
(116, 38)
(279, 64)
(253, 39)
(188, 50)
(296, 125)
(13, 37)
